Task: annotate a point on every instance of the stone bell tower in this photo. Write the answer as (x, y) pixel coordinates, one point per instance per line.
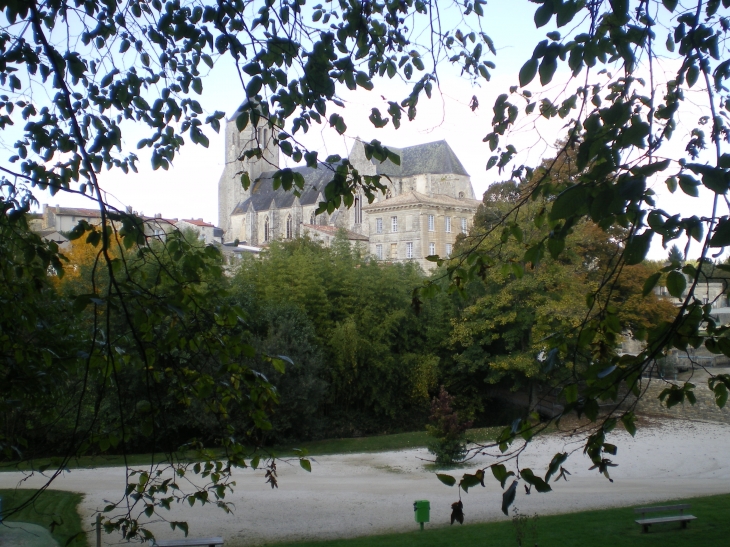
(230, 190)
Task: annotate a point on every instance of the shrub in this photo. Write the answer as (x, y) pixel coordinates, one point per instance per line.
(448, 432)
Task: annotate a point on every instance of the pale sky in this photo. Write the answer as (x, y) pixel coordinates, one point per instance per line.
(190, 188)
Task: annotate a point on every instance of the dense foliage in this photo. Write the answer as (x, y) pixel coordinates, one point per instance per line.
(155, 328)
(363, 361)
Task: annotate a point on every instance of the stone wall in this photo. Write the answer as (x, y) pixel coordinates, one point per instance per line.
(704, 409)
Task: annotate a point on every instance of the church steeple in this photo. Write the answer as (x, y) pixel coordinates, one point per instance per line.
(230, 191)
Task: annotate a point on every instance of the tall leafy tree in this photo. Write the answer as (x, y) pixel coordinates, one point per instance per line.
(75, 75)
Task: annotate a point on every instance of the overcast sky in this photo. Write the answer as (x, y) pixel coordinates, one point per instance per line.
(190, 188)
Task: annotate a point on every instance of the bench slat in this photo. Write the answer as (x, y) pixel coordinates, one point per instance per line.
(189, 542)
(659, 520)
(662, 508)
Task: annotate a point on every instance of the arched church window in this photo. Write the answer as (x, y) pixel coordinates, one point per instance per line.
(388, 194)
(358, 210)
(461, 195)
(289, 227)
(313, 218)
(266, 229)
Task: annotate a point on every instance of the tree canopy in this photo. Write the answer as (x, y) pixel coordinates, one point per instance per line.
(76, 75)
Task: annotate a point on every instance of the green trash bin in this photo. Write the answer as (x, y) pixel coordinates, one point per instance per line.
(422, 510)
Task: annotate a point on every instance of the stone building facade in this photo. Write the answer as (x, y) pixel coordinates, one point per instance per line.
(429, 199)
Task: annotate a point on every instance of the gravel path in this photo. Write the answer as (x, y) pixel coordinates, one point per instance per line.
(362, 494)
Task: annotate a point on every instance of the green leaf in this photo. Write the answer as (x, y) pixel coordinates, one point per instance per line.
(557, 461)
(555, 246)
(547, 69)
(529, 477)
(527, 72)
(467, 481)
(543, 14)
(721, 237)
(629, 421)
(500, 473)
(242, 121)
(688, 185)
(305, 464)
(721, 394)
(570, 392)
(676, 283)
(254, 86)
(637, 247)
(278, 365)
(650, 283)
(508, 497)
(671, 5)
(569, 203)
(448, 480)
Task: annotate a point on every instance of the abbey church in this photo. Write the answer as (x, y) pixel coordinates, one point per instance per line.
(430, 200)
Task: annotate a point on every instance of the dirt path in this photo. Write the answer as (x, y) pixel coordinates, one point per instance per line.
(362, 494)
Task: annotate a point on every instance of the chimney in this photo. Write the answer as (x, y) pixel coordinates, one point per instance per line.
(129, 209)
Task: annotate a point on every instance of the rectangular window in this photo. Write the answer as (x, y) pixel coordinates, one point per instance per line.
(393, 250)
(431, 223)
(409, 250)
(394, 224)
(378, 225)
(431, 248)
(448, 225)
(448, 249)
(379, 251)
(463, 225)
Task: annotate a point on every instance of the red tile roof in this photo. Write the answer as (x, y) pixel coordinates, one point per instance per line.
(76, 212)
(197, 222)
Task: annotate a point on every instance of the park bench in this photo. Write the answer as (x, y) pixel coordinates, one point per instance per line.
(188, 542)
(645, 522)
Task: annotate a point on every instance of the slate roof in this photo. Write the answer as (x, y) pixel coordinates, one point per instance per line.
(416, 198)
(332, 231)
(52, 234)
(435, 157)
(263, 193)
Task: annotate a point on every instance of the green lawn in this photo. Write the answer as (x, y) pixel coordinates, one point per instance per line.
(380, 443)
(51, 506)
(605, 528)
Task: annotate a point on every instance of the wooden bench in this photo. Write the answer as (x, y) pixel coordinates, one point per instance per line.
(645, 522)
(188, 542)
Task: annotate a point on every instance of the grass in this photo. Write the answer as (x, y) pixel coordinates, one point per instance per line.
(603, 528)
(380, 443)
(51, 506)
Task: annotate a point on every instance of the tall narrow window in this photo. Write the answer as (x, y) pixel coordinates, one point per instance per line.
(358, 210)
(313, 218)
(409, 250)
(431, 248)
(394, 224)
(289, 227)
(393, 250)
(463, 225)
(431, 223)
(448, 249)
(448, 224)
(378, 225)
(266, 229)
(379, 252)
